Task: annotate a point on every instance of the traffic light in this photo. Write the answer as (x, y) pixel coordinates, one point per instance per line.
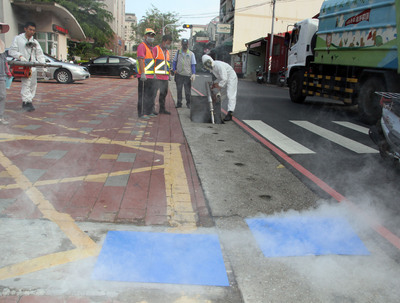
(187, 26)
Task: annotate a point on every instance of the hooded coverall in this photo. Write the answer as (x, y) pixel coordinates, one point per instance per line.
(227, 80)
(18, 48)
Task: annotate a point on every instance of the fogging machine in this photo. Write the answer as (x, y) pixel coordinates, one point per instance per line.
(22, 69)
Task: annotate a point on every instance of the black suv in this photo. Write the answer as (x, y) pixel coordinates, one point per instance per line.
(111, 66)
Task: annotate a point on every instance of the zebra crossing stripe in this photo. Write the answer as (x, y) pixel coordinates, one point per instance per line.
(336, 138)
(286, 144)
(359, 128)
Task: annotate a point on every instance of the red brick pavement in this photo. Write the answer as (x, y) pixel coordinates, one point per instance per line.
(89, 110)
(64, 148)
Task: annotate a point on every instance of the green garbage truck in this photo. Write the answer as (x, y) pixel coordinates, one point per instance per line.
(347, 52)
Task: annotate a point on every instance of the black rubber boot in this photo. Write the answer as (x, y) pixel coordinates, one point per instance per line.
(29, 107)
(228, 117)
(164, 111)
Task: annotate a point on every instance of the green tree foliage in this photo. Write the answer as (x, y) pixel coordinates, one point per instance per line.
(198, 48)
(156, 20)
(92, 17)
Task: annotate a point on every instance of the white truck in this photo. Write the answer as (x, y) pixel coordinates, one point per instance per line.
(347, 53)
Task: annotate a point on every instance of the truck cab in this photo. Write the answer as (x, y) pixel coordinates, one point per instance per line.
(347, 54)
(300, 45)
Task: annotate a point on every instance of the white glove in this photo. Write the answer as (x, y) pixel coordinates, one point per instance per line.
(192, 77)
(143, 77)
(22, 58)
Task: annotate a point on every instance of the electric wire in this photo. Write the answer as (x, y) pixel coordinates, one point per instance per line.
(237, 10)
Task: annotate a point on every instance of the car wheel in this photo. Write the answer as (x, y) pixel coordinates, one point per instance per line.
(124, 74)
(63, 76)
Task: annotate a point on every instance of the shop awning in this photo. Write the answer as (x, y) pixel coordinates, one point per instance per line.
(74, 29)
(256, 42)
(238, 52)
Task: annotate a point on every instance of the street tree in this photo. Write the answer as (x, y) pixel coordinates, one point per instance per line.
(199, 47)
(157, 21)
(92, 17)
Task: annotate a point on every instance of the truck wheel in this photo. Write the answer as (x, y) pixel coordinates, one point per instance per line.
(296, 87)
(369, 108)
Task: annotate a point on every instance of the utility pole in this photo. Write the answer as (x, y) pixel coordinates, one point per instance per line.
(271, 43)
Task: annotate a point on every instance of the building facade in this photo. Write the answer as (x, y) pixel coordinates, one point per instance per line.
(250, 21)
(117, 9)
(129, 35)
(245, 26)
(212, 30)
(55, 25)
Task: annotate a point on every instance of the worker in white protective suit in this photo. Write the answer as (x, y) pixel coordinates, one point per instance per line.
(226, 81)
(26, 48)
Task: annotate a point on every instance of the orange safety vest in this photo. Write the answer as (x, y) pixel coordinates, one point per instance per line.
(148, 62)
(162, 63)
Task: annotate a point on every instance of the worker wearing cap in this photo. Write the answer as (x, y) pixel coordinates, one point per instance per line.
(26, 48)
(184, 67)
(4, 72)
(146, 81)
(162, 70)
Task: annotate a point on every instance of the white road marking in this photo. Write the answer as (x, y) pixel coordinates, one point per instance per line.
(336, 138)
(288, 145)
(353, 126)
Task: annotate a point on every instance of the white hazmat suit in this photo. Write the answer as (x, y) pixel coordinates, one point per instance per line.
(226, 79)
(20, 49)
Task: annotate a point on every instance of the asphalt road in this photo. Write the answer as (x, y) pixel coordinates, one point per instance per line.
(244, 179)
(328, 140)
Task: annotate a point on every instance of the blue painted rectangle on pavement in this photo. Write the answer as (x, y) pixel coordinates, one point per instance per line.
(302, 235)
(161, 258)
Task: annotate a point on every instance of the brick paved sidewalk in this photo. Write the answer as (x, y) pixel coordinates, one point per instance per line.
(83, 155)
(90, 156)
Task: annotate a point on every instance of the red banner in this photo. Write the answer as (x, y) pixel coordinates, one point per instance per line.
(363, 16)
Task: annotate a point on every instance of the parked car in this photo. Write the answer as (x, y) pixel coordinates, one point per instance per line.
(124, 67)
(63, 73)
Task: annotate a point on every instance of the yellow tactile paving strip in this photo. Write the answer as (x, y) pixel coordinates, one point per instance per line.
(179, 205)
(85, 246)
(180, 212)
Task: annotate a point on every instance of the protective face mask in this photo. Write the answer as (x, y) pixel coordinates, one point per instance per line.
(150, 39)
(167, 46)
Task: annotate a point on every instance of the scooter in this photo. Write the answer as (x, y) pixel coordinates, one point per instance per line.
(386, 133)
(282, 77)
(260, 75)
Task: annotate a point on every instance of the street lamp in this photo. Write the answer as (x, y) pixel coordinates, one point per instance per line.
(163, 29)
(271, 42)
(164, 26)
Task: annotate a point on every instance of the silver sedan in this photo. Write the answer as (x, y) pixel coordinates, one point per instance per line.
(64, 72)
